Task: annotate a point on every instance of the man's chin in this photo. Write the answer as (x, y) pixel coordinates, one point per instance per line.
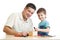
(27, 17)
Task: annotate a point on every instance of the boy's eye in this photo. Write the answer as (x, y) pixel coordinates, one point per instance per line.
(38, 15)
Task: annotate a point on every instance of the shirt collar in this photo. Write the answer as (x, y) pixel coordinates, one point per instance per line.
(21, 16)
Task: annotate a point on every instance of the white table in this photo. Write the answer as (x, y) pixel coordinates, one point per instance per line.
(8, 37)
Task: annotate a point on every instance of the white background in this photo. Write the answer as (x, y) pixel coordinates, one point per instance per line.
(52, 7)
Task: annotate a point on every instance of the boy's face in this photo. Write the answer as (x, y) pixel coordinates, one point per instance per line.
(28, 12)
(41, 16)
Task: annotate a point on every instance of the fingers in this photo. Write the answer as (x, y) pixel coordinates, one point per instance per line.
(22, 34)
(25, 34)
(18, 34)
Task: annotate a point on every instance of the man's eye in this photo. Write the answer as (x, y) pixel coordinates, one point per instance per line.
(28, 11)
(41, 15)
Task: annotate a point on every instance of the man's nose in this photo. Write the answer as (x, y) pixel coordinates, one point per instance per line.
(30, 14)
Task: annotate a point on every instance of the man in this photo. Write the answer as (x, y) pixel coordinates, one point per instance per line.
(20, 24)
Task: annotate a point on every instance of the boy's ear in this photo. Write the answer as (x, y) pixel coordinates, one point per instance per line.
(45, 16)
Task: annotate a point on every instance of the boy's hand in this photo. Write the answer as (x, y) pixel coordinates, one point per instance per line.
(36, 29)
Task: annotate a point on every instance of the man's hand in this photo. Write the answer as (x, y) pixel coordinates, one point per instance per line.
(18, 34)
(24, 34)
(21, 34)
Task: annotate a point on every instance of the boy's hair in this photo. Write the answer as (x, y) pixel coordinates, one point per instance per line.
(41, 10)
(31, 5)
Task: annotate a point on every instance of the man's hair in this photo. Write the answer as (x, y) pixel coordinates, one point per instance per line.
(31, 5)
(41, 10)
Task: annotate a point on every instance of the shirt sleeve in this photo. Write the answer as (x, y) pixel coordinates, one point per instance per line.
(47, 24)
(31, 25)
(10, 20)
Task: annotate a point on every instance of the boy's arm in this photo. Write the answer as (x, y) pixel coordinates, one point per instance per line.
(43, 30)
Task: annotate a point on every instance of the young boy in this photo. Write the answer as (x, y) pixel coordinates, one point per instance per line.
(43, 28)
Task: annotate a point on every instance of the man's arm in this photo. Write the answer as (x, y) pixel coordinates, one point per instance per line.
(10, 31)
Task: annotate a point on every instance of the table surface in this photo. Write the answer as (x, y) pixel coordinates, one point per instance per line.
(31, 37)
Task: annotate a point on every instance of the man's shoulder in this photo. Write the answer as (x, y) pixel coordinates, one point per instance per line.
(14, 15)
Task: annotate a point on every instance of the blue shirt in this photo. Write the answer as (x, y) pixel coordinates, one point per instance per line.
(43, 25)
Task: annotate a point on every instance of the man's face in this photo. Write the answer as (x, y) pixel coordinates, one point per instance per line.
(28, 12)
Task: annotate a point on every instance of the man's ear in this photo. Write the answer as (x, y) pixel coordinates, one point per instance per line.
(25, 8)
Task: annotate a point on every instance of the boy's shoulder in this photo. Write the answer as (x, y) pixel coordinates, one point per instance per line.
(45, 21)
